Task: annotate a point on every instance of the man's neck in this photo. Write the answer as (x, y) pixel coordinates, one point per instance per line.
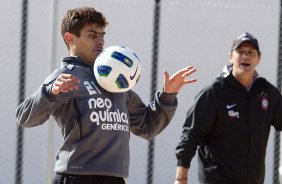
(245, 80)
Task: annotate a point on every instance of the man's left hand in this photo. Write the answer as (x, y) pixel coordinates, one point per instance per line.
(174, 83)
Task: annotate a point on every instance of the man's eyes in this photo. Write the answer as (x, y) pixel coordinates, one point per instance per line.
(93, 36)
(96, 35)
(245, 52)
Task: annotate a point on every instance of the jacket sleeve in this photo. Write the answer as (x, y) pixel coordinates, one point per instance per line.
(148, 121)
(37, 108)
(200, 120)
(277, 110)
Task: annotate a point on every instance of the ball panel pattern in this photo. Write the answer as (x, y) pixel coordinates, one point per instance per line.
(117, 69)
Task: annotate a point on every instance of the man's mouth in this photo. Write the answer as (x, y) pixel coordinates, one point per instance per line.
(245, 64)
(97, 51)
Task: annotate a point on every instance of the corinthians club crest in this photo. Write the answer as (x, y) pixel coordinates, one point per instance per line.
(264, 101)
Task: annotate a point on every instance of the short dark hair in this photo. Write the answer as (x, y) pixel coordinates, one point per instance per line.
(75, 19)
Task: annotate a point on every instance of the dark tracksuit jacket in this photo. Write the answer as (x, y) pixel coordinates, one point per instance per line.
(95, 124)
(231, 127)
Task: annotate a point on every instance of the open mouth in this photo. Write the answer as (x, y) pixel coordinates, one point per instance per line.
(245, 64)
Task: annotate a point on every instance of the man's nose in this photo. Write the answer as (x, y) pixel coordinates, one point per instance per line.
(101, 41)
(246, 54)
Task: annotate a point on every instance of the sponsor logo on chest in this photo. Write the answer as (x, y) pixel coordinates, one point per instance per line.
(102, 110)
(232, 114)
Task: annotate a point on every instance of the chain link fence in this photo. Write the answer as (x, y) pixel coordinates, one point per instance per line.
(188, 32)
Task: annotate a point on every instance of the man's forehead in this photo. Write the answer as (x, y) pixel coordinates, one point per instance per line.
(94, 28)
(246, 44)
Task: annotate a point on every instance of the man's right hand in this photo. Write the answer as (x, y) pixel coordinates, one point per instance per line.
(65, 83)
(181, 175)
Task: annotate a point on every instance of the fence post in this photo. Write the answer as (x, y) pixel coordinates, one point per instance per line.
(150, 164)
(23, 48)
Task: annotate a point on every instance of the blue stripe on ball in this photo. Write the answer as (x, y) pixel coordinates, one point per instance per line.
(122, 58)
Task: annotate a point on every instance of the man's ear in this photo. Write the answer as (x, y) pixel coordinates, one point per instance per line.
(259, 57)
(68, 37)
(230, 57)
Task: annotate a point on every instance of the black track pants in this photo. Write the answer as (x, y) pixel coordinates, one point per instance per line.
(86, 179)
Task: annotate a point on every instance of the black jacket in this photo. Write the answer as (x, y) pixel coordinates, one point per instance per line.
(231, 127)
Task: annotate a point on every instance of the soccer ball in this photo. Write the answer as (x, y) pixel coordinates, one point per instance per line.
(117, 69)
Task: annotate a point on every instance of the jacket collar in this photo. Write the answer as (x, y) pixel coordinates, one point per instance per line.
(227, 78)
(75, 60)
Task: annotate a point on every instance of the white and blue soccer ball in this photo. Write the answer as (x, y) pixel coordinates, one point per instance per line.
(117, 69)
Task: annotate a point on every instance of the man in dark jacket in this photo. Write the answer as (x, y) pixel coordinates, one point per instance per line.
(230, 122)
